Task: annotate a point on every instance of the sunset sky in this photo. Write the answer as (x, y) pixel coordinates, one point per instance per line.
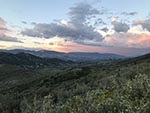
(105, 26)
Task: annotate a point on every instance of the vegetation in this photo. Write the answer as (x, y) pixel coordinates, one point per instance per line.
(111, 86)
(30, 61)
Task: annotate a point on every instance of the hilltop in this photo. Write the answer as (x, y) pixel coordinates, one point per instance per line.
(29, 60)
(74, 56)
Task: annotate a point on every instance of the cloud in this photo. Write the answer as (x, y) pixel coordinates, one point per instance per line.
(81, 11)
(51, 43)
(74, 29)
(145, 23)
(105, 29)
(99, 22)
(2, 22)
(9, 38)
(3, 28)
(120, 27)
(33, 23)
(128, 40)
(114, 19)
(129, 13)
(24, 22)
(51, 30)
(23, 47)
(38, 43)
(77, 30)
(70, 46)
(2, 46)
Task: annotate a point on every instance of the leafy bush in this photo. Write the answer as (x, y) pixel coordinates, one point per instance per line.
(131, 97)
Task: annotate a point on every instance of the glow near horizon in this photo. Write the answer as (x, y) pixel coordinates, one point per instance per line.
(43, 12)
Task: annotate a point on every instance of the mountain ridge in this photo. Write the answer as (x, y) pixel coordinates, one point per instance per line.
(74, 56)
(27, 59)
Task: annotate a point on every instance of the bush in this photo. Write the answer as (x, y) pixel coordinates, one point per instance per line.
(131, 97)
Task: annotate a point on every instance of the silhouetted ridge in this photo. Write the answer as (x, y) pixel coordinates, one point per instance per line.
(30, 60)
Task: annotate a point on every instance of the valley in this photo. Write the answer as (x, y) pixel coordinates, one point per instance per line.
(58, 86)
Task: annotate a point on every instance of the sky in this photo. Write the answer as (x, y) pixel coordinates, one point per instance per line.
(104, 26)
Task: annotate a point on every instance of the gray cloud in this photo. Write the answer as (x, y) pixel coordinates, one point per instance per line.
(33, 23)
(120, 27)
(2, 21)
(105, 29)
(9, 39)
(145, 23)
(24, 22)
(54, 29)
(99, 21)
(81, 11)
(3, 28)
(75, 29)
(129, 13)
(38, 43)
(51, 43)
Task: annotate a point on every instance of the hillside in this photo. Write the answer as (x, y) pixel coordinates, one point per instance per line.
(74, 56)
(121, 86)
(26, 59)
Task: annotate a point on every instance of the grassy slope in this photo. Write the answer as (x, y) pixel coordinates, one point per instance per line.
(88, 88)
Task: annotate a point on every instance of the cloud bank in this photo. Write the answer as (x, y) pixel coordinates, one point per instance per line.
(120, 27)
(74, 29)
(145, 23)
(9, 38)
(4, 30)
(81, 28)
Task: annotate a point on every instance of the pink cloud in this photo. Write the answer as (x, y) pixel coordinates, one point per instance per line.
(144, 38)
(71, 46)
(128, 40)
(139, 40)
(145, 23)
(3, 28)
(138, 21)
(2, 22)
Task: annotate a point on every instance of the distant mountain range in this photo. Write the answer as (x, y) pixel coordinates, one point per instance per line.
(31, 61)
(73, 56)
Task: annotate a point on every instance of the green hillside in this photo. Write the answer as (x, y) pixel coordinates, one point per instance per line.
(118, 86)
(27, 60)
